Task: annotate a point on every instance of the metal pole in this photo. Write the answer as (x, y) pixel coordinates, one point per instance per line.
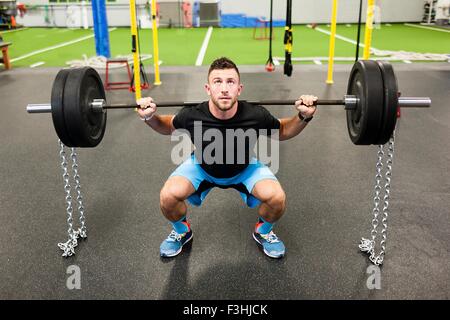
(332, 43)
(155, 44)
(349, 101)
(369, 27)
(135, 50)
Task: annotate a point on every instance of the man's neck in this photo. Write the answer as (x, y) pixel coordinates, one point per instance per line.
(222, 115)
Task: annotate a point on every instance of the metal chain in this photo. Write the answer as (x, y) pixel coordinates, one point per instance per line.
(81, 232)
(368, 245)
(68, 247)
(387, 194)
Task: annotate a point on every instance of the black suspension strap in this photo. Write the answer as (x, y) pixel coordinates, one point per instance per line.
(359, 31)
(288, 40)
(144, 80)
(269, 64)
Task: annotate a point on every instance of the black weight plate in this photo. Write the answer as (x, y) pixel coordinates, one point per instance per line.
(390, 105)
(86, 127)
(366, 84)
(57, 103)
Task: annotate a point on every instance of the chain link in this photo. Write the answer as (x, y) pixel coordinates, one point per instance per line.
(68, 247)
(368, 245)
(376, 199)
(81, 232)
(387, 188)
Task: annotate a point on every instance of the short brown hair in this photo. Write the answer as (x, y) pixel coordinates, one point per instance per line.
(223, 63)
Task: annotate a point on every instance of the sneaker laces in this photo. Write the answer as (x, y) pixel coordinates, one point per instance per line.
(174, 236)
(270, 237)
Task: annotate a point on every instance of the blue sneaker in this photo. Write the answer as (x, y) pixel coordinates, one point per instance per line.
(174, 243)
(271, 245)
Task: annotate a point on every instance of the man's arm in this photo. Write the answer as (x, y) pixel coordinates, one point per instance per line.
(290, 127)
(162, 124)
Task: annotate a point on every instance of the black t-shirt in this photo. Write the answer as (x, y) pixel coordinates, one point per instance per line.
(224, 147)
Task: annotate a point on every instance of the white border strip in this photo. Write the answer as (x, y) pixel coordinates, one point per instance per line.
(64, 44)
(15, 30)
(317, 60)
(37, 64)
(341, 37)
(201, 54)
(425, 27)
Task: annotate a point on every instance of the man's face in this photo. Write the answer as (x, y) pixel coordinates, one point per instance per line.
(223, 87)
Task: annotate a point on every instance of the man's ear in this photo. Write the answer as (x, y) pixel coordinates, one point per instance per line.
(241, 87)
(208, 89)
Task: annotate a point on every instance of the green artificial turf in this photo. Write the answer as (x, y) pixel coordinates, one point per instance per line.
(399, 37)
(33, 39)
(239, 45)
(182, 46)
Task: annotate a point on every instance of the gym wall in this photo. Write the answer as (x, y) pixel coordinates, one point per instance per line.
(319, 11)
(304, 11)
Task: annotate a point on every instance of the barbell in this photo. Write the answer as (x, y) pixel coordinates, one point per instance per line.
(78, 104)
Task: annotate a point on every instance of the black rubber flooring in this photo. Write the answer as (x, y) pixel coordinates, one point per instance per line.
(329, 184)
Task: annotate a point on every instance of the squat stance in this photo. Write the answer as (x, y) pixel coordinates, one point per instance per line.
(195, 177)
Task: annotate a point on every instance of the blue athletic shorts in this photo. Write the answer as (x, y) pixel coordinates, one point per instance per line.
(203, 182)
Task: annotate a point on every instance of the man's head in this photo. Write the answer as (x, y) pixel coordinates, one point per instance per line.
(224, 84)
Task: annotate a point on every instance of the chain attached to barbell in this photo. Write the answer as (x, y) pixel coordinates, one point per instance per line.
(68, 247)
(81, 232)
(369, 245)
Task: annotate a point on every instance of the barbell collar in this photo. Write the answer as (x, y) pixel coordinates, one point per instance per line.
(350, 102)
(98, 105)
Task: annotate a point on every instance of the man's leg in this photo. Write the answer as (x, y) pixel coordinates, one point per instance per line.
(172, 197)
(172, 202)
(273, 205)
(272, 197)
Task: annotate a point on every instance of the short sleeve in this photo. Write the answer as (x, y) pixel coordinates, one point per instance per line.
(268, 121)
(181, 119)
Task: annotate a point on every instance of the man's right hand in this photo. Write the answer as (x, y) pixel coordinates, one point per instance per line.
(147, 107)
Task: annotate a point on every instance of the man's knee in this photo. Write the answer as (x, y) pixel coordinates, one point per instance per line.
(175, 189)
(277, 200)
(271, 193)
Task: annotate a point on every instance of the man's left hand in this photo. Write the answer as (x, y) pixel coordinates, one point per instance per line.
(305, 105)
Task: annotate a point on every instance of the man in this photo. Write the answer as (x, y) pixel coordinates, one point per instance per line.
(195, 177)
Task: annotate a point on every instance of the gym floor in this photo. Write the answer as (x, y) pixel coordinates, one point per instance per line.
(329, 184)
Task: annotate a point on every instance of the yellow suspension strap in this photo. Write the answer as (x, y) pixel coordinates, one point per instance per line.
(369, 27)
(332, 43)
(288, 40)
(135, 50)
(155, 44)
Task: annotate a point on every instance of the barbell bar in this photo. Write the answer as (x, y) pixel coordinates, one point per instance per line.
(350, 103)
(99, 105)
(78, 104)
